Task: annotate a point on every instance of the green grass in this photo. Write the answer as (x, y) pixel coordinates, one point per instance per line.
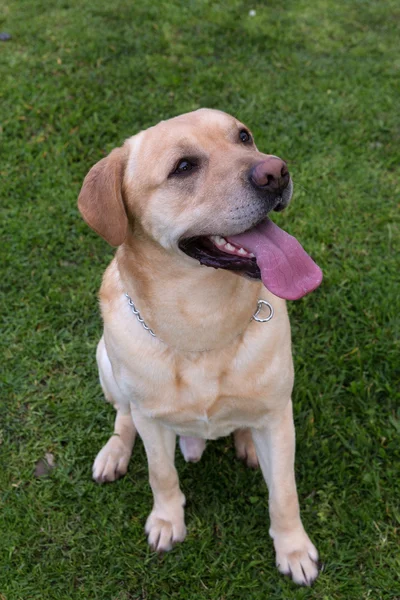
(318, 84)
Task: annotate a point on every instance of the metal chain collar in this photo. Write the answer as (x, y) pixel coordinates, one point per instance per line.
(139, 318)
(255, 317)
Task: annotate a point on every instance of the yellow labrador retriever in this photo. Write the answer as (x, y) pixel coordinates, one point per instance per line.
(196, 334)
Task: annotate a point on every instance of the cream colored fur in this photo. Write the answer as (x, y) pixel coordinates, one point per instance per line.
(215, 371)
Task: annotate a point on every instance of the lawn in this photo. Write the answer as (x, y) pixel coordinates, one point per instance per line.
(318, 83)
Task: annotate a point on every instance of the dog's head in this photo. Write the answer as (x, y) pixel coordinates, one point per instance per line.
(192, 184)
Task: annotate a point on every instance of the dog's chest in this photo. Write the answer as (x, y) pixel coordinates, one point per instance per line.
(211, 398)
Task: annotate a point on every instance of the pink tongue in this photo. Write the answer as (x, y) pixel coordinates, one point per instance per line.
(286, 269)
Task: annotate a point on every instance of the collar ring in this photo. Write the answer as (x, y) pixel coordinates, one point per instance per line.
(260, 305)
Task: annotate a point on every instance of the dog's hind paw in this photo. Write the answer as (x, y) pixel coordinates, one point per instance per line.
(192, 448)
(245, 449)
(112, 461)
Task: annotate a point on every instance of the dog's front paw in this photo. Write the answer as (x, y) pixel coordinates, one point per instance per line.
(165, 528)
(112, 461)
(296, 556)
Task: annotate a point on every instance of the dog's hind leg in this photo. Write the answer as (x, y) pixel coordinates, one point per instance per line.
(245, 449)
(112, 460)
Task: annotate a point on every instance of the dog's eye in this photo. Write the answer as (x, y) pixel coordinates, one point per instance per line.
(184, 166)
(244, 136)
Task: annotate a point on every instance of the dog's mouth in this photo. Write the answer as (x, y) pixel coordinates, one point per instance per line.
(215, 251)
(263, 252)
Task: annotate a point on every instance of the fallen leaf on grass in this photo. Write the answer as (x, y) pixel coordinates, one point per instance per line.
(45, 465)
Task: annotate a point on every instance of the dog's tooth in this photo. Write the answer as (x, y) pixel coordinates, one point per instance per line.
(220, 240)
(216, 239)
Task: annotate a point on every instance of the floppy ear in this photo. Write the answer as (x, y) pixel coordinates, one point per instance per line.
(100, 200)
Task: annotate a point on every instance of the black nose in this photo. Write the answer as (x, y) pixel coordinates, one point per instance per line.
(271, 175)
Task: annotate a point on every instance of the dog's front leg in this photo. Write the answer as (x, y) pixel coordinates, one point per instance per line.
(166, 523)
(275, 446)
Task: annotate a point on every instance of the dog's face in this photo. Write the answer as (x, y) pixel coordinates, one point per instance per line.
(190, 182)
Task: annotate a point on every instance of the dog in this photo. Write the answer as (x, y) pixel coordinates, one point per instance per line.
(196, 336)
